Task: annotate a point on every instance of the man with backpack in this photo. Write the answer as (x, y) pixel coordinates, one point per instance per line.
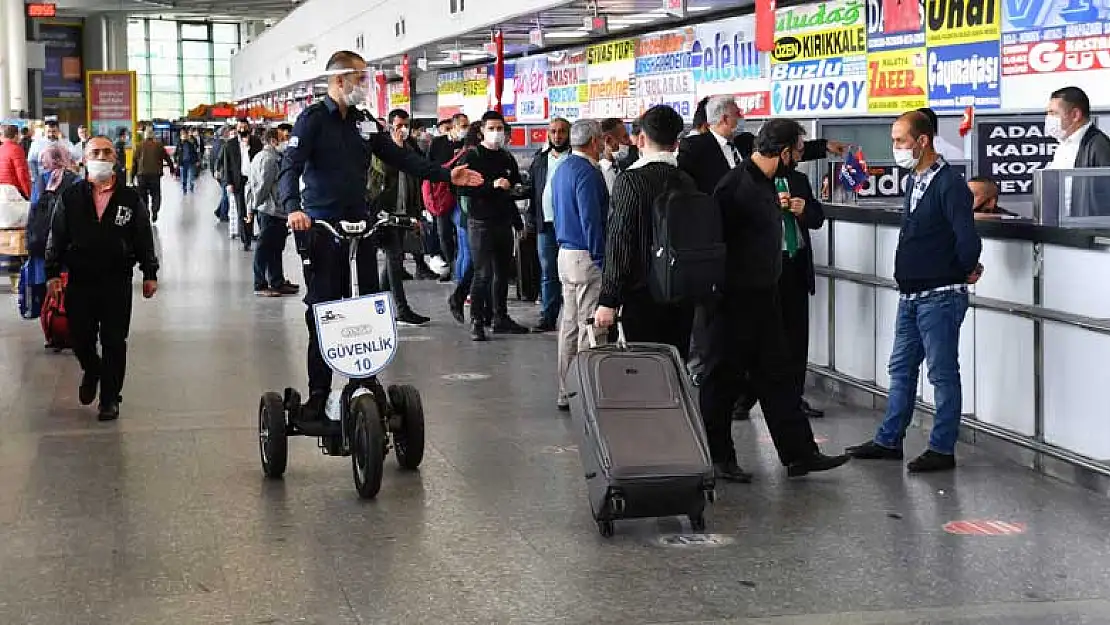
(656, 306)
(758, 225)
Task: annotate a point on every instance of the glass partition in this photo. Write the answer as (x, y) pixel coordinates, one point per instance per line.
(1072, 198)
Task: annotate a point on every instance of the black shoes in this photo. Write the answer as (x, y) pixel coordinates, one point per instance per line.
(90, 382)
(508, 326)
(109, 411)
(931, 462)
(817, 462)
(928, 462)
(810, 412)
(873, 451)
(478, 332)
(731, 472)
(545, 326)
(456, 309)
(407, 317)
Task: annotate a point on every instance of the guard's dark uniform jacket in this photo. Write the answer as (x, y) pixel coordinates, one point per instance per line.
(333, 153)
(100, 249)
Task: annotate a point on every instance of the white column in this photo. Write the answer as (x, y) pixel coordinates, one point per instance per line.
(115, 41)
(16, 30)
(5, 103)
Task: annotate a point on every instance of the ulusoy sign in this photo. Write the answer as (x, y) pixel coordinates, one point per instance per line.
(1009, 152)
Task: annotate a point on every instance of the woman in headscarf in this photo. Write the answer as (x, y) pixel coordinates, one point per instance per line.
(57, 174)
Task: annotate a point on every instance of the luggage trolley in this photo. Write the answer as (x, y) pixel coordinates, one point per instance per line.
(358, 339)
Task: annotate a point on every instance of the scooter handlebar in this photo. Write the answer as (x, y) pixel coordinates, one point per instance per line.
(362, 229)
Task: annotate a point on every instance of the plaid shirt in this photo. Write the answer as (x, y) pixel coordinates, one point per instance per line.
(922, 181)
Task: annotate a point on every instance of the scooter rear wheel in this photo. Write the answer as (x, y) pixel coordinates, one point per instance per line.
(273, 444)
(408, 440)
(367, 446)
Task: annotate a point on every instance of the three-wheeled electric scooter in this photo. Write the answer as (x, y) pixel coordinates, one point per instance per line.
(358, 339)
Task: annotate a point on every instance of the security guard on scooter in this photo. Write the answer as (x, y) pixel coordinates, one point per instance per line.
(330, 152)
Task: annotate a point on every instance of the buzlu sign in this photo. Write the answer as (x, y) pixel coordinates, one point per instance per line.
(1009, 152)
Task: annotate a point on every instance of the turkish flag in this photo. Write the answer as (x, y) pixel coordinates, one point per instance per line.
(968, 121)
(765, 25)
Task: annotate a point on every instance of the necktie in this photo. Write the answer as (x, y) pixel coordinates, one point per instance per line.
(736, 156)
(790, 227)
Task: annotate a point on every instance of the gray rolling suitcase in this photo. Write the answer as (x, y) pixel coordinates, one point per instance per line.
(641, 437)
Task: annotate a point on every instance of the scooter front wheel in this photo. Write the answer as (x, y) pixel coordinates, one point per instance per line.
(273, 444)
(367, 446)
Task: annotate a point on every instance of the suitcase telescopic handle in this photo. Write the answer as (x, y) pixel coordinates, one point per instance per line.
(591, 332)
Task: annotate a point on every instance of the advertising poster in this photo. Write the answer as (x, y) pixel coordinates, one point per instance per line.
(566, 85)
(724, 60)
(609, 67)
(664, 73)
(894, 24)
(896, 81)
(1009, 152)
(112, 104)
(63, 83)
(1046, 45)
(530, 89)
(475, 97)
(949, 22)
(449, 93)
(399, 97)
(819, 65)
(964, 75)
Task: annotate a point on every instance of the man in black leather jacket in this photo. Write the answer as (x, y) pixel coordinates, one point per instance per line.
(100, 231)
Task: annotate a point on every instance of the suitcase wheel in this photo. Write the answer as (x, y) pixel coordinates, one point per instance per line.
(605, 528)
(697, 522)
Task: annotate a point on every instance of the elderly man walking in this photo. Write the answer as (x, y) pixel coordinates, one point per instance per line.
(581, 199)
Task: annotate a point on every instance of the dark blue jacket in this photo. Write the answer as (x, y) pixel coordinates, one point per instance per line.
(938, 244)
(333, 153)
(581, 202)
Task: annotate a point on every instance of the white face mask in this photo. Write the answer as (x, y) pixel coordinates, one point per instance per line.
(904, 158)
(99, 171)
(1053, 127)
(621, 153)
(404, 132)
(494, 139)
(356, 96)
(281, 146)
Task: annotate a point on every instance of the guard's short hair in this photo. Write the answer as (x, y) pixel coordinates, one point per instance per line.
(344, 59)
(395, 113)
(583, 131)
(662, 125)
(777, 135)
(1074, 97)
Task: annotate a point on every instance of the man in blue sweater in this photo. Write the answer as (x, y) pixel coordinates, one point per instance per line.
(581, 199)
(937, 258)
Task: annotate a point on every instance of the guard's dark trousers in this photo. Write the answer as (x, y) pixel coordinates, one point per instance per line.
(327, 278)
(99, 308)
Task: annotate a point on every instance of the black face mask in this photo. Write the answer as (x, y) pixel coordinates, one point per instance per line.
(560, 147)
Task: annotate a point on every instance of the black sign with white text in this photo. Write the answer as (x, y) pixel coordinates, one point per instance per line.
(1009, 153)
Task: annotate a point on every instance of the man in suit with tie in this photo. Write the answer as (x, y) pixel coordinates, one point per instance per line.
(708, 157)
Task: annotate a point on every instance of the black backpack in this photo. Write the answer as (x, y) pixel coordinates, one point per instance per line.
(41, 214)
(688, 247)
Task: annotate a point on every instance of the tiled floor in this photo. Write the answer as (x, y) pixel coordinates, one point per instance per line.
(164, 517)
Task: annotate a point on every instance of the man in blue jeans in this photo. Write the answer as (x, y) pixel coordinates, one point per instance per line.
(937, 258)
(541, 220)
